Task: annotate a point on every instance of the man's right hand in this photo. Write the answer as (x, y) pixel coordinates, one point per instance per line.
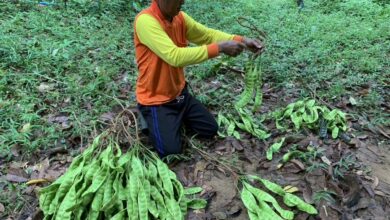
(231, 48)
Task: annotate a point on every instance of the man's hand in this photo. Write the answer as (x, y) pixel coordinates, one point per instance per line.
(231, 48)
(254, 45)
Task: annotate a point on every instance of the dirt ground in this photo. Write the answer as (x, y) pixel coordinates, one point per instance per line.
(361, 192)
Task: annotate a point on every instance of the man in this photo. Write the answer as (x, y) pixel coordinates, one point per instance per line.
(161, 36)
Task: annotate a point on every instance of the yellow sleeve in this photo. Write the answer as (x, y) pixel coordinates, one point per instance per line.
(151, 34)
(200, 34)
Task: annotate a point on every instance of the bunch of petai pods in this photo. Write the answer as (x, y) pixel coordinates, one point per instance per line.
(261, 205)
(104, 183)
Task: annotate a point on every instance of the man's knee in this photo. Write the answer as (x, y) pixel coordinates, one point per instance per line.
(214, 129)
(172, 146)
(210, 131)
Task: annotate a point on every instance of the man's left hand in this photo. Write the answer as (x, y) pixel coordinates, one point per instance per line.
(254, 45)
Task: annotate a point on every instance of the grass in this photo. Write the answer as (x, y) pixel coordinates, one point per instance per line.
(72, 62)
(62, 68)
(332, 48)
(56, 62)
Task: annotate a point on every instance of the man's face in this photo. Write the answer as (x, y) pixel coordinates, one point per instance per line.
(170, 8)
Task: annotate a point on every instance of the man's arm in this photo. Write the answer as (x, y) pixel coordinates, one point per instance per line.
(200, 34)
(151, 34)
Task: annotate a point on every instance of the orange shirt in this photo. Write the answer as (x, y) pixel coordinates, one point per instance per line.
(162, 52)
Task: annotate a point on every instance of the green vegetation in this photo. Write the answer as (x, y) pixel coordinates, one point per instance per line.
(257, 201)
(332, 48)
(72, 62)
(103, 182)
(63, 67)
(56, 62)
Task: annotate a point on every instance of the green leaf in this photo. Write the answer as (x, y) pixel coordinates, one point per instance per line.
(352, 100)
(230, 129)
(310, 103)
(197, 204)
(293, 200)
(297, 120)
(192, 190)
(274, 148)
(236, 135)
(335, 132)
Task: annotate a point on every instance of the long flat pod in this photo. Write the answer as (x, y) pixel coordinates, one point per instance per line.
(274, 148)
(174, 209)
(108, 187)
(142, 200)
(111, 191)
(134, 189)
(293, 200)
(273, 187)
(163, 172)
(67, 182)
(97, 201)
(70, 198)
(120, 215)
(264, 196)
(250, 203)
(156, 195)
(98, 181)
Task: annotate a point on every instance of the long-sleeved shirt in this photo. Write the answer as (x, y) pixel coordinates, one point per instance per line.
(162, 51)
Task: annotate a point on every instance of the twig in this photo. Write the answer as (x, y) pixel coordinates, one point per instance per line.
(326, 211)
(125, 110)
(209, 158)
(252, 27)
(56, 150)
(234, 70)
(48, 78)
(319, 98)
(81, 125)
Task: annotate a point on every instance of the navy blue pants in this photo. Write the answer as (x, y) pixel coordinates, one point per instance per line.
(165, 122)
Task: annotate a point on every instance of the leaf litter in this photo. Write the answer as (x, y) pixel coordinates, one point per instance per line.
(357, 194)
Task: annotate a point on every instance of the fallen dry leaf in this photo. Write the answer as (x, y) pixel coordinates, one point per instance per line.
(352, 101)
(352, 185)
(200, 166)
(369, 190)
(291, 168)
(237, 145)
(298, 163)
(15, 179)
(362, 137)
(291, 189)
(234, 211)
(26, 128)
(380, 193)
(42, 167)
(220, 215)
(63, 120)
(220, 170)
(107, 117)
(43, 87)
(307, 194)
(17, 172)
(385, 132)
(326, 160)
(18, 165)
(375, 183)
(36, 181)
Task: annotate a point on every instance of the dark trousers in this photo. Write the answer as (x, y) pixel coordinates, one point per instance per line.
(165, 122)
